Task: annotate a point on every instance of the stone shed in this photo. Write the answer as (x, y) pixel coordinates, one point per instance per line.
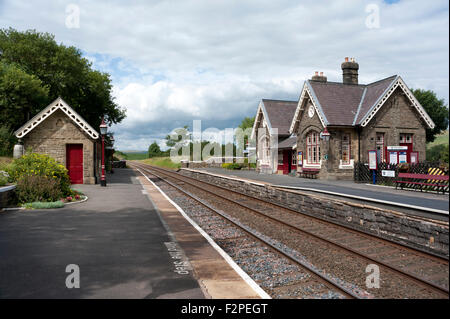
(61, 133)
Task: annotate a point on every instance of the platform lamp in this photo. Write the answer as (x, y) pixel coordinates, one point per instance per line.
(103, 130)
(326, 135)
(112, 154)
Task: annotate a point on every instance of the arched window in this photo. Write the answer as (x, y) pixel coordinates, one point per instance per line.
(313, 148)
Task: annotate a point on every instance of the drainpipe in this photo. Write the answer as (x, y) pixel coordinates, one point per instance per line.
(359, 143)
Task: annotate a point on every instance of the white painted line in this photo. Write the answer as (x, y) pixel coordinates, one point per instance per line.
(229, 260)
(438, 211)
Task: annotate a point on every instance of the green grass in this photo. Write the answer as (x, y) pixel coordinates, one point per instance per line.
(439, 140)
(164, 162)
(132, 155)
(44, 205)
(438, 149)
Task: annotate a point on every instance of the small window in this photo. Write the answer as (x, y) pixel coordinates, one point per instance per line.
(405, 138)
(345, 149)
(294, 158)
(280, 158)
(380, 147)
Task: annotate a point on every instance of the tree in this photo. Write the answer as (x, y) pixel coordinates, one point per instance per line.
(21, 95)
(64, 72)
(247, 123)
(436, 109)
(154, 150)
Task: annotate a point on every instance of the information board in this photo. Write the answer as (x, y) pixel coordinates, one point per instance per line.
(300, 158)
(402, 157)
(393, 157)
(414, 157)
(373, 159)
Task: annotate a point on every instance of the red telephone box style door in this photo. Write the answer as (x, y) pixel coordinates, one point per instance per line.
(74, 162)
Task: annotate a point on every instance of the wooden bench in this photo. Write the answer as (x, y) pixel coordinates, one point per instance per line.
(420, 180)
(310, 172)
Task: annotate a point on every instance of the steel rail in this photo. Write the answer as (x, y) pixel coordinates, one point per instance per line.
(418, 280)
(325, 221)
(323, 278)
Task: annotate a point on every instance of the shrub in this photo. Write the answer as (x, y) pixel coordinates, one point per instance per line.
(232, 165)
(37, 188)
(3, 178)
(41, 165)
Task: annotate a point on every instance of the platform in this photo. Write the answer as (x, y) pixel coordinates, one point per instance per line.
(382, 195)
(121, 245)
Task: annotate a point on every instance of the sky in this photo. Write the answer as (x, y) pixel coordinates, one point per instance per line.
(172, 62)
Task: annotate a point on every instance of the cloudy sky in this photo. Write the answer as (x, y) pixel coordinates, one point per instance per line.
(174, 61)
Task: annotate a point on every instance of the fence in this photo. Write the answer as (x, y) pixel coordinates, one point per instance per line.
(386, 173)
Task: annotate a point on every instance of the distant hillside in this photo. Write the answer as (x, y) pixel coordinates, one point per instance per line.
(440, 139)
(132, 155)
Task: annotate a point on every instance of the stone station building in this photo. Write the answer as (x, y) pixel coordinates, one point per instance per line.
(383, 116)
(61, 133)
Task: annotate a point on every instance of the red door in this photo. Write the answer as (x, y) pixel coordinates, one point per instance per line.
(287, 158)
(74, 162)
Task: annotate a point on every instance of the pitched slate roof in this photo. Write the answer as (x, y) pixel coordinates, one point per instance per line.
(58, 104)
(288, 143)
(279, 114)
(338, 101)
(341, 104)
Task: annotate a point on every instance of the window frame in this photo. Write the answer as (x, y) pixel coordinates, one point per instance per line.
(348, 148)
(313, 148)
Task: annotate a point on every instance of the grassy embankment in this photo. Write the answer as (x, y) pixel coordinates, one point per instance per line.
(438, 149)
(164, 161)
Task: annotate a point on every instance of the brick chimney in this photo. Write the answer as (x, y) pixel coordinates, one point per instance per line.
(319, 78)
(350, 71)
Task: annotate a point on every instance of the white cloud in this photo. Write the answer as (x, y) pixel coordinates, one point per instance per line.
(175, 61)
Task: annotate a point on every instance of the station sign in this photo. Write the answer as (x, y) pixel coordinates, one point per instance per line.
(386, 173)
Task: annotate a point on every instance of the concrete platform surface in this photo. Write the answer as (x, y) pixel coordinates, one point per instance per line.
(407, 197)
(216, 276)
(116, 238)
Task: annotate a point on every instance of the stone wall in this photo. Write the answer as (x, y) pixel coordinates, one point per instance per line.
(7, 196)
(51, 137)
(396, 116)
(419, 232)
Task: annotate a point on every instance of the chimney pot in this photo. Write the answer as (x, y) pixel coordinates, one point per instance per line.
(319, 78)
(350, 71)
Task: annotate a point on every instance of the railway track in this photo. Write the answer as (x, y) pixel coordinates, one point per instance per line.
(404, 271)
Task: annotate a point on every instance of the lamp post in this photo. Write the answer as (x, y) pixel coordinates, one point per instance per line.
(112, 154)
(103, 130)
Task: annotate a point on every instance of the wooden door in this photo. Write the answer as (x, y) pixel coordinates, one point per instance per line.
(74, 162)
(287, 158)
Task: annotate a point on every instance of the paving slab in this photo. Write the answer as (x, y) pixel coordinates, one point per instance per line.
(116, 238)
